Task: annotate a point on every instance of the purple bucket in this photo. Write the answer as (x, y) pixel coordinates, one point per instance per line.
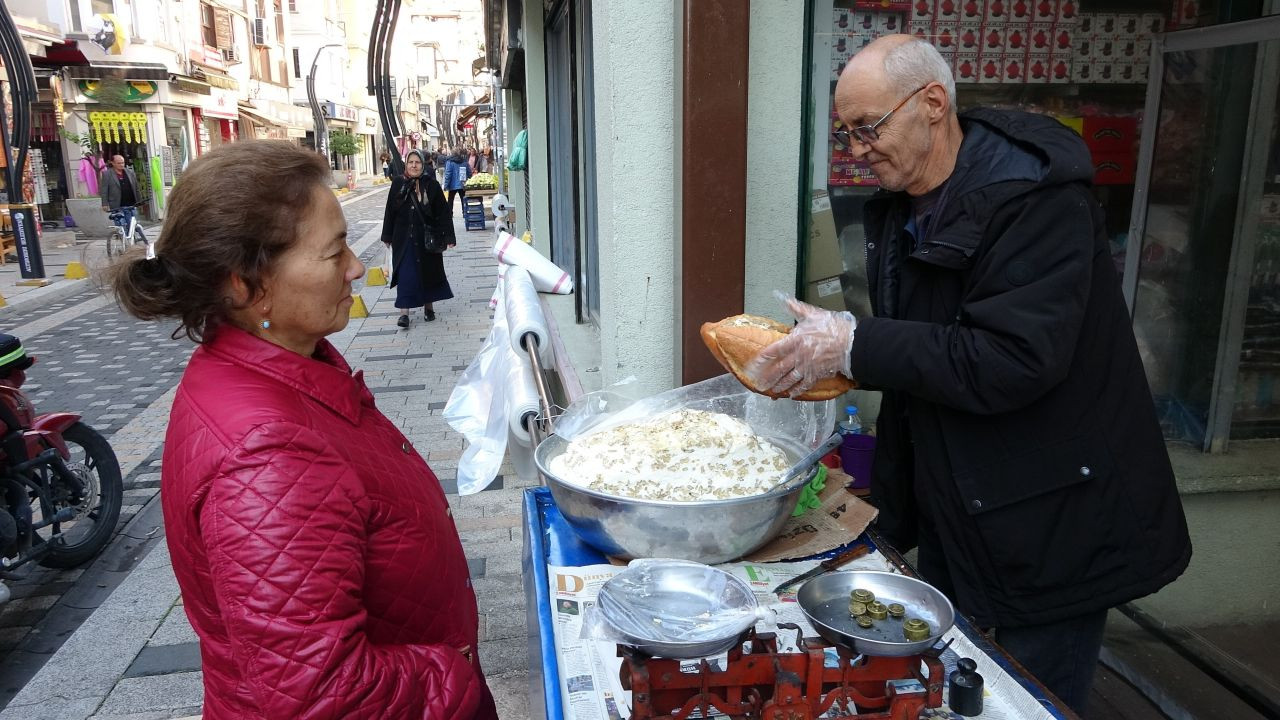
(857, 452)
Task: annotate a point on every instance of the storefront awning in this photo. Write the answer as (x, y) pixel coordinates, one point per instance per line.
(186, 83)
(214, 77)
(118, 70)
(472, 110)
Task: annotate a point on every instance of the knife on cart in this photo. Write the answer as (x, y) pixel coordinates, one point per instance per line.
(827, 565)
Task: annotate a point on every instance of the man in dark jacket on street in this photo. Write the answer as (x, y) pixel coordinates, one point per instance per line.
(1018, 445)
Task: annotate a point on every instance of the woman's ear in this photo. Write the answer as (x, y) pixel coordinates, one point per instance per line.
(241, 296)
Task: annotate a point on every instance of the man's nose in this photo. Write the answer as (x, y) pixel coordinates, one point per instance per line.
(859, 149)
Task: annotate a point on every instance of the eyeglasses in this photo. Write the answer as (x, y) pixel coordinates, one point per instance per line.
(867, 134)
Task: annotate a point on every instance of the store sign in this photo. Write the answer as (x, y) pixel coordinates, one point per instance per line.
(134, 90)
(334, 111)
(220, 103)
(116, 127)
(208, 56)
(368, 120)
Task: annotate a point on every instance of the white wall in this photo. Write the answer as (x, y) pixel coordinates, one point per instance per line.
(635, 70)
(536, 94)
(774, 91)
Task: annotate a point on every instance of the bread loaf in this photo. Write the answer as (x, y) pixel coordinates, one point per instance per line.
(735, 342)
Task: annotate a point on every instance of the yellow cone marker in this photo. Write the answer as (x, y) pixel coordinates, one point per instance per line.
(358, 309)
(375, 276)
(2, 302)
(76, 271)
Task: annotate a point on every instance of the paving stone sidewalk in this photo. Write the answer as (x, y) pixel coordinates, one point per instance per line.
(136, 657)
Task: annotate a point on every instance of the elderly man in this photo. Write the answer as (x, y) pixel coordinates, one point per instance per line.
(118, 187)
(1018, 444)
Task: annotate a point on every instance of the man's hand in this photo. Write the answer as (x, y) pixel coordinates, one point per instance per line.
(817, 347)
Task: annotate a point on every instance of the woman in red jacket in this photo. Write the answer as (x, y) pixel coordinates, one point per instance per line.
(318, 559)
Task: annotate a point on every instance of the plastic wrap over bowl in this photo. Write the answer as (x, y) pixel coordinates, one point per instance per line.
(706, 531)
(677, 609)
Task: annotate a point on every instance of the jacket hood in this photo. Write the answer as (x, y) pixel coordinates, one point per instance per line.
(1004, 145)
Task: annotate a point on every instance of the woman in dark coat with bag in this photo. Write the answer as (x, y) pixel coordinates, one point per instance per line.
(417, 227)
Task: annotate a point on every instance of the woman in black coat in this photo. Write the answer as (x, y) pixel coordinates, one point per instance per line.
(418, 227)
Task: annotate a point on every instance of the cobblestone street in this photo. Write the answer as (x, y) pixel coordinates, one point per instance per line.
(119, 374)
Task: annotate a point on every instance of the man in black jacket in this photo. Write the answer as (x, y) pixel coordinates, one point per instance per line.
(1018, 445)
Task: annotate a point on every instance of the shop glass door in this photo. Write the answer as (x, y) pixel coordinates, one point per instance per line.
(1202, 262)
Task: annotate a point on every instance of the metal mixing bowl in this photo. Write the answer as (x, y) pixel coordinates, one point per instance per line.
(825, 602)
(707, 531)
(677, 609)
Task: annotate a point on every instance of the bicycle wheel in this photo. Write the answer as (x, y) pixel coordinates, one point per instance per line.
(115, 242)
(97, 511)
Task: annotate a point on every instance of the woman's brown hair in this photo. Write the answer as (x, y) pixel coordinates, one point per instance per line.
(233, 212)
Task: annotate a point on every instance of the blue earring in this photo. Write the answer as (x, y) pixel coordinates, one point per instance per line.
(266, 324)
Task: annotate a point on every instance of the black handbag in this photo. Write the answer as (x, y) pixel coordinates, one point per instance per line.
(431, 239)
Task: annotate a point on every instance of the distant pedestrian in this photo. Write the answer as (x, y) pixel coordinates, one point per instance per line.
(118, 188)
(385, 159)
(456, 173)
(417, 227)
(318, 562)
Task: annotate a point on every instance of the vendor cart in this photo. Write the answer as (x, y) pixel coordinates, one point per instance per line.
(551, 543)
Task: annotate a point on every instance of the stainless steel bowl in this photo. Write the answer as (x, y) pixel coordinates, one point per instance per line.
(677, 609)
(825, 602)
(707, 531)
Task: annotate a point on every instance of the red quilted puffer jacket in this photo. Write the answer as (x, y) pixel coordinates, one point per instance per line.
(318, 559)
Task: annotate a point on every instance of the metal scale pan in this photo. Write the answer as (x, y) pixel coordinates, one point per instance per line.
(825, 602)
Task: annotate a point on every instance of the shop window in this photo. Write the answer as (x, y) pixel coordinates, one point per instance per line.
(279, 24)
(297, 63)
(571, 145)
(208, 22)
(102, 7)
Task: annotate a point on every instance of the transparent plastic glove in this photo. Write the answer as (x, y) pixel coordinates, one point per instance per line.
(818, 347)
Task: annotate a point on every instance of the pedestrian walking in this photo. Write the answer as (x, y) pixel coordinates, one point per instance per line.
(456, 172)
(417, 226)
(318, 562)
(385, 159)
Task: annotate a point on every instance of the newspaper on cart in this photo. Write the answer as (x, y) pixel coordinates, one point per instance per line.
(589, 666)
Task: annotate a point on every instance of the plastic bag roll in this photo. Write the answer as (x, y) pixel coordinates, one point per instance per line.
(524, 313)
(522, 399)
(547, 277)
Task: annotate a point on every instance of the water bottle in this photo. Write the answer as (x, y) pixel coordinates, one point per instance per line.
(853, 424)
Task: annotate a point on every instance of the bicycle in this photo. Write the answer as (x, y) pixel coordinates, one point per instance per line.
(122, 238)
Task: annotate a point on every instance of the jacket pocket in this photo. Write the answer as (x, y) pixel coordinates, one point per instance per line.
(1054, 518)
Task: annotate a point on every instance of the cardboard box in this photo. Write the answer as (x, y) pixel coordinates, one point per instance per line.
(1105, 48)
(921, 33)
(949, 55)
(1105, 24)
(1127, 48)
(1088, 24)
(842, 20)
(1143, 48)
(865, 22)
(997, 13)
(1040, 38)
(969, 39)
(851, 173)
(993, 41)
(1037, 69)
(945, 40)
(946, 11)
(1014, 68)
(1021, 12)
(1111, 133)
(1045, 11)
(921, 14)
(966, 67)
(1082, 71)
(1114, 169)
(1128, 25)
(823, 258)
(1063, 40)
(1017, 39)
(890, 23)
(1060, 69)
(1152, 24)
(1083, 49)
(1126, 71)
(827, 293)
(1104, 71)
(990, 71)
(1068, 14)
(973, 11)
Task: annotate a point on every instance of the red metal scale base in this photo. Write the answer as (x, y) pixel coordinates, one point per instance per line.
(769, 685)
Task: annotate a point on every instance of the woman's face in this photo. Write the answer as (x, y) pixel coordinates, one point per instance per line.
(413, 166)
(308, 294)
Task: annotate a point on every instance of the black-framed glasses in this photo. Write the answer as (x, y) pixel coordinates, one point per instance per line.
(867, 134)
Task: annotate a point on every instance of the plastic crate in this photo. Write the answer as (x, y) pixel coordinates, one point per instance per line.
(473, 213)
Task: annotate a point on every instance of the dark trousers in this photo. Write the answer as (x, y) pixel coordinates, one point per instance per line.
(453, 194)
(1061, 655)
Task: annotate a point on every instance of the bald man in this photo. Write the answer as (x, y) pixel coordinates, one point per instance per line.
(1018, 445)
(118, 187)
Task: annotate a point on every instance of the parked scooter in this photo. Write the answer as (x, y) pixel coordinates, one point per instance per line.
(60, 484)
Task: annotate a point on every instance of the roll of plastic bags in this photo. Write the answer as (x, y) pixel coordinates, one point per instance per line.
(522, 399)
(547, 277)
(524, 313)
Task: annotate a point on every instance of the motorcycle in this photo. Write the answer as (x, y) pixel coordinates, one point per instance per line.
(59, 479)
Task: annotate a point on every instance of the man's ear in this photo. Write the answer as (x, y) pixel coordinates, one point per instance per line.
(935, 96)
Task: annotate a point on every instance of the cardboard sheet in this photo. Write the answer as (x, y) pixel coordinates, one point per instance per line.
(839, 520)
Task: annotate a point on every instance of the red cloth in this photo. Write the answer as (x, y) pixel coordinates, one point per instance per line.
(318, 559)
